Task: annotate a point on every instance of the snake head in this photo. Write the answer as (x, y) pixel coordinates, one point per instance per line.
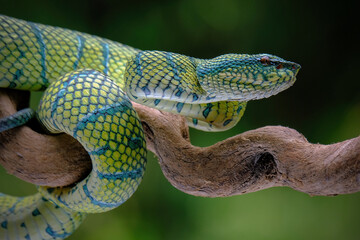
(245, 77)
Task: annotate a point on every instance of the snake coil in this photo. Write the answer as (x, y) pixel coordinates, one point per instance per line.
(88, 83)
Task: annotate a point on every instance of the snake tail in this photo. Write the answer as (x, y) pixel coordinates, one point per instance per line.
(34, 217)
(17, 119)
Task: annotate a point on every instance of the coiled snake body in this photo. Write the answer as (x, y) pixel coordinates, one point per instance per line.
(88, 83)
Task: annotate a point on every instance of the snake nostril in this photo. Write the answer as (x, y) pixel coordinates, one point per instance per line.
(296, 66)
(280, 66)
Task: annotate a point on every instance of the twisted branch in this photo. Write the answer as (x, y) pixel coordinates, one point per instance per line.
(251, 161)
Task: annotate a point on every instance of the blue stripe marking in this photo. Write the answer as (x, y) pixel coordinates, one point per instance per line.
(195, 97)
(133, 174)
(179, 107)
(195, 121)
(4, 224)
(210, 97)
(207, 110)
(179, 92)
(107, 110)
(60, 200)
(96, 202)
(59, 95)
(54, 234)
(22, 54)
(227, 122)
(18, 74)
(156, 101)
(239, 109)
(171, 61)
(105, 62)
(12, 209)
(41, 43)
(80, 50)
(138, 66)
(27, 237)
(100, 150)
(62, 91)
(135, 142)
(146, 90)
(36, 212)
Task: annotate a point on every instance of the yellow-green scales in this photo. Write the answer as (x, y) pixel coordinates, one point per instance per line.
(88, 82)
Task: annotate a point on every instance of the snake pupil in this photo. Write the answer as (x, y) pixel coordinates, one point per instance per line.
(265, 60)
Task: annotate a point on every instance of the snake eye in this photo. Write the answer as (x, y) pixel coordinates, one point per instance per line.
(265, 60)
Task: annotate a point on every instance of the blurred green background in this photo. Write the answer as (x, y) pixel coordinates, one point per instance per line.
(324, 105)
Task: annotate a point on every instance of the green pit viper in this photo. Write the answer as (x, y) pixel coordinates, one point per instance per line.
(89, 83)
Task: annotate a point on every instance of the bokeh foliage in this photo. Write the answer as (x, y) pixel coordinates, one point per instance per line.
(324, 105)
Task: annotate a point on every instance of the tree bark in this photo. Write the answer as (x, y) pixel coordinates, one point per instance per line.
(251, 161)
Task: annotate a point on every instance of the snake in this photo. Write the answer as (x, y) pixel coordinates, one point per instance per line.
(89, 84)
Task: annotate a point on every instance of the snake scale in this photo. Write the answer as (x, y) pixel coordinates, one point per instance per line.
(88, 83)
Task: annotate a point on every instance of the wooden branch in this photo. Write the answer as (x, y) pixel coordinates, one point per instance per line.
(251, 161)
